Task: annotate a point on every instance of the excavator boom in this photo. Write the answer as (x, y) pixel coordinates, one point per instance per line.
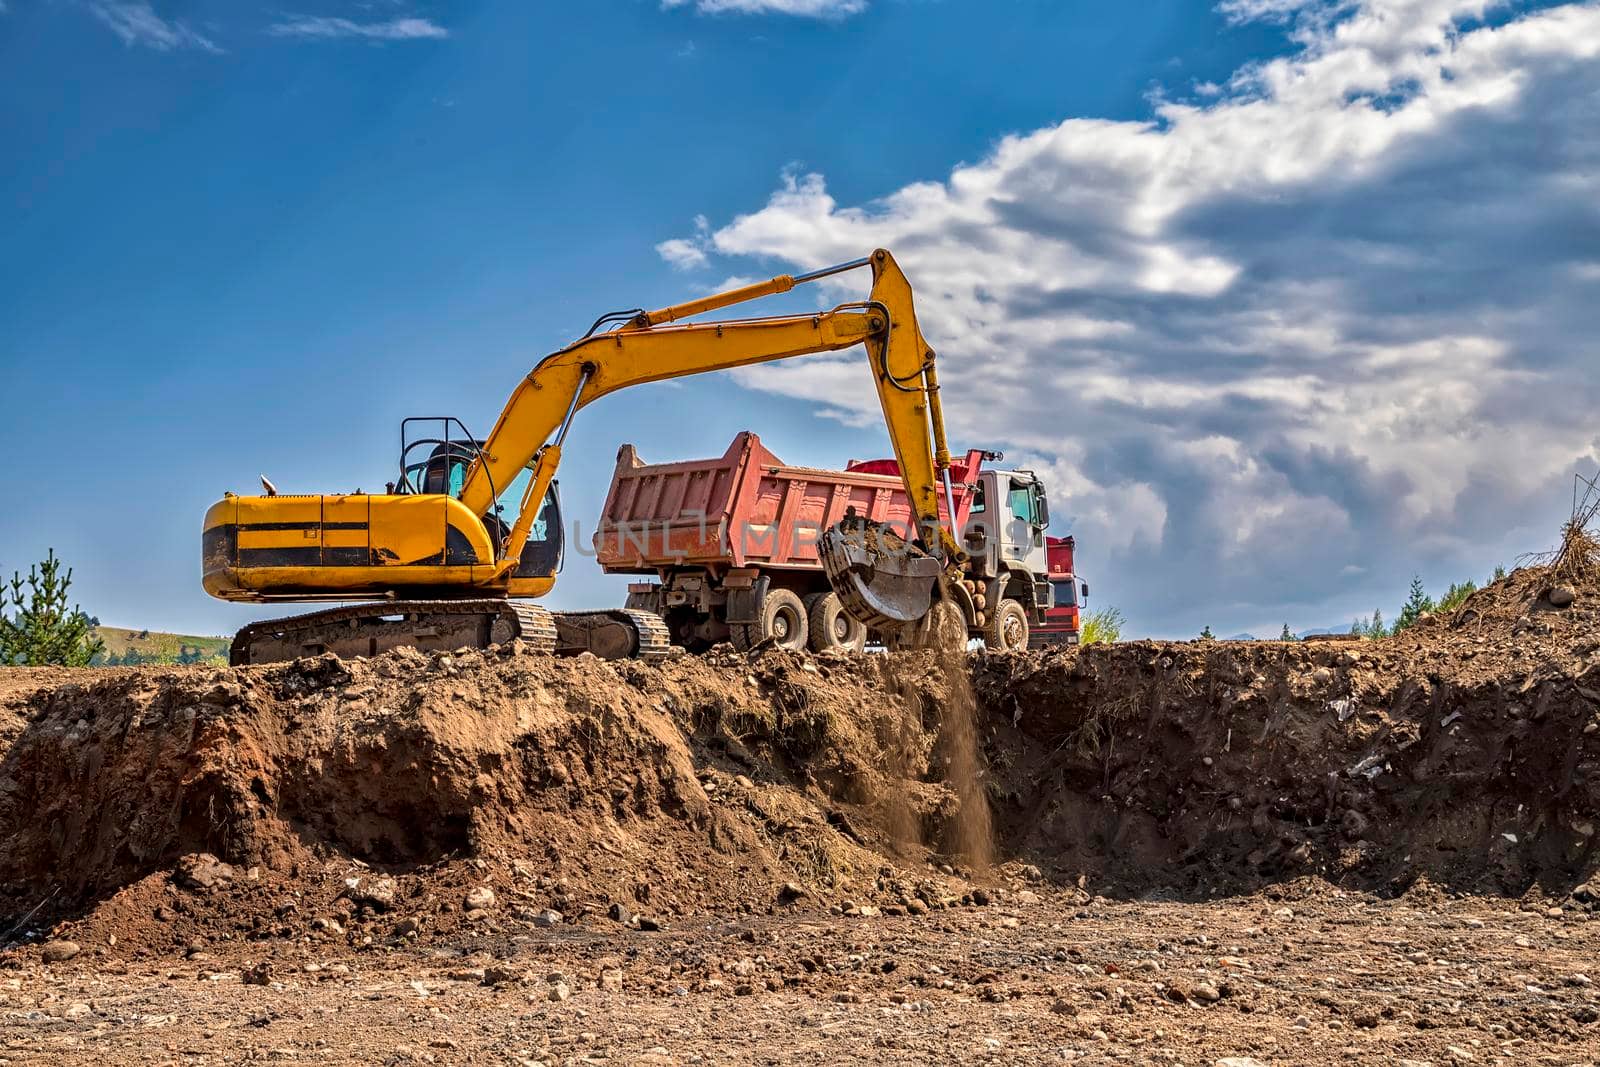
(445, 546)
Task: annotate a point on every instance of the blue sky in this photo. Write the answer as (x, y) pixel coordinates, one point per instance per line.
(239, 240)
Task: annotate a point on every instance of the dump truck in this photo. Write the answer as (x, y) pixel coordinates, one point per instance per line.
(1063, 620)
(730, 545)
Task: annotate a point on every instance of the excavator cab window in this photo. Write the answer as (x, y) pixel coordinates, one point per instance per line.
(443, 472)
(542, 554)
(437, 463)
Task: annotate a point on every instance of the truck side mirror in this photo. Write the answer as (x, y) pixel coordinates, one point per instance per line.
(1041, 510)
(1083, 588)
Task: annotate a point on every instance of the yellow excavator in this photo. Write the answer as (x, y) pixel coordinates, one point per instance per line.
(449, 554)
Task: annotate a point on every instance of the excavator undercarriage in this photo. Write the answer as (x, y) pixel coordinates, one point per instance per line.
(446, 625)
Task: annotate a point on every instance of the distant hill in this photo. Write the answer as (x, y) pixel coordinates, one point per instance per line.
(1316, 631)
(153, 646)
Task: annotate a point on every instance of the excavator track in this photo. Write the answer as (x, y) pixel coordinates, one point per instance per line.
(619, 633)
(446, 625)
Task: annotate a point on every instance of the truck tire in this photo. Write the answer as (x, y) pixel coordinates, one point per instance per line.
(833, 627)
(1006, 629)
(783, 619)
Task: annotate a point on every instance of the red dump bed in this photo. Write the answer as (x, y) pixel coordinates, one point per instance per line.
(1058, 551)
(745, 509)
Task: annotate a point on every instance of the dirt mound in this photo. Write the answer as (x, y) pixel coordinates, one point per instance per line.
(1466, 755)
(701, 783)
(1558, 602)
(415, 794)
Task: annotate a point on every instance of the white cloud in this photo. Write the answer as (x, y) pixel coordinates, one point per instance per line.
(682, 253)
(1336, 314)
(137, 23)
(316, 27)
(688, 253)
(805, 8)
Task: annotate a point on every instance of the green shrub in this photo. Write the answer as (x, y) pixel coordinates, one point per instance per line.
(1102, 627)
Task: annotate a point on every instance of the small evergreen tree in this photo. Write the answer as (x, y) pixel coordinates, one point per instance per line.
(1499, 572)
(1287, 635)
(1373, 627)
(43, 630)
(1206, 634)
(1418, 604)
(1457, 592)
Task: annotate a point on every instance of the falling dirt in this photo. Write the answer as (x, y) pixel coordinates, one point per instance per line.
(970, 834)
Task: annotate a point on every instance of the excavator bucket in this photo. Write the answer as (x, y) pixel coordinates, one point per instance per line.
(882, 580)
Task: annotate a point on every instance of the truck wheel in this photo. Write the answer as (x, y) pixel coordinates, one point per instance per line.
(1007, 628)
(783, 619)
(833, 627)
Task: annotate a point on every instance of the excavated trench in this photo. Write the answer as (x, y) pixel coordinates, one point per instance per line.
(1466, 752)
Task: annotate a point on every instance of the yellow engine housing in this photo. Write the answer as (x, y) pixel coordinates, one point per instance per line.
(352, 547)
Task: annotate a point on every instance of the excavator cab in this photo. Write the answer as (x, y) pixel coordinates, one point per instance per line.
(438, 465)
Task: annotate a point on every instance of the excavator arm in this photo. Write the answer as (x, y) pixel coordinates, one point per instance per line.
(657, 345)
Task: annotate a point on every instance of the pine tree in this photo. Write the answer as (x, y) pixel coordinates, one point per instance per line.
(1418, 604)
(1457, 592)
(43, 630)
(1376, 627)
(1287, 635)
(1206, 634)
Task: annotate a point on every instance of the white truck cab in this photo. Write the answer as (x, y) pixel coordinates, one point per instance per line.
(1004, 538)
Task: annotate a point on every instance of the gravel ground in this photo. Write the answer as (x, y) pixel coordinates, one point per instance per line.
(1304, 974)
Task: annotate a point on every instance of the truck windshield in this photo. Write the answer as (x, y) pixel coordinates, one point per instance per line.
(1066, 592)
